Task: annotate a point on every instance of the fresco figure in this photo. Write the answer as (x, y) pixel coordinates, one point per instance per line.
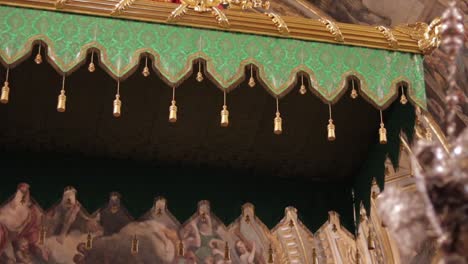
(246, 256)
(113, 217)
(20, 221)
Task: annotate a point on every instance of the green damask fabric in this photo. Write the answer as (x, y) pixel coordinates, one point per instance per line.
(121, 42)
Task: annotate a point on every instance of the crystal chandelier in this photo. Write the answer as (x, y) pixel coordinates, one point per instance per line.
(441, 200)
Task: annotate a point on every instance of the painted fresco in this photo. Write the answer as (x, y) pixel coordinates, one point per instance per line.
(68, 234)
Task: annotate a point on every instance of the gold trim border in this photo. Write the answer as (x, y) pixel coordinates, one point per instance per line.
(243, 22)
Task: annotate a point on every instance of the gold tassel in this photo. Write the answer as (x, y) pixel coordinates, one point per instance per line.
(89, 241)
(227, 255)
(199, 73)
(224, 113)
(270, 254)
(91, 67)
(330, 127)
(303, 89)
(251, 80)
(5, 89)
(146, 71)
(135, 245)
(38, 58)
(62, 98)
(180, 248)
(314, 256)
(382, 131)
(370, 241)
(278, 121)
(354, 93)
(117, 102)
(42, 235)
(403, 99)
(173, 108)
(358, 257)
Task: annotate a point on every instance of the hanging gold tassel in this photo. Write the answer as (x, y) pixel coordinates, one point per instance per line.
(227, 255)
(89, 241)
(173, 108)
(314, 256)
(5, 89)
(370, 241)
(42, 235)
(403, 99)
(117, 102)
(91, 67)
(358, 257)
(62, 98)
(330, 127)
(224, 113)
(146, 71)
(251, 80)
(382, 131)
(303, 89)
(135, 245)
(354, 93)
(38, 58)
(278, 121)
(199, 73)
(180, 248)
(270, 254)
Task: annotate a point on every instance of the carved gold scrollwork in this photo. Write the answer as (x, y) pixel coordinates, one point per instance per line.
(392, 41)
(121, 6)
(333, 28)
(60, 3)
(203, 6)
(279, 23)
(428, 36)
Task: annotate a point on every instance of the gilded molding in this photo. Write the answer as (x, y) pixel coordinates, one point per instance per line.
(392, 41)
(427, 36)
(333, 29)
(243, 22)
(60, 3)
(121, 6)
(279, 23)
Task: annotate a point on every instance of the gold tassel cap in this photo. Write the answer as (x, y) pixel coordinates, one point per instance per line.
(251, 79)
(91, 67)
(62, 102)
(330, 127)
(224, 113)
(314, 256)
(354, 93)
(117, 102)
(38, 58)
(224, 116)
(173, 112)
(89, 241)
(5, 93)
(5, 96)
(278, 121)
(382, 131)
(370, 241)
(227, 253)
(403, 99)
(302, 89)
(135, 245)
(270, 254)
(117, 106)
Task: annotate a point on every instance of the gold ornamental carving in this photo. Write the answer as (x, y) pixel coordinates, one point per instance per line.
(392, 41)
(212, 6)
(60, 3)
(121, 6)
(428, 36)
(333, 29)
